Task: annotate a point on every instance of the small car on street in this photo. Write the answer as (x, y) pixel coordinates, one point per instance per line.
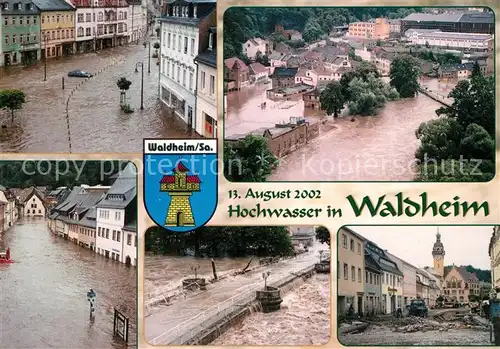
(418, 308)
(79, 74)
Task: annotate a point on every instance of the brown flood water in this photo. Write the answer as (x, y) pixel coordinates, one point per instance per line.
(96, 122)
(379, 148)
(43, 294)
(304, 319)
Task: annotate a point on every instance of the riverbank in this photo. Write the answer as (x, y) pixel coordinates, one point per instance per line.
(304, 319)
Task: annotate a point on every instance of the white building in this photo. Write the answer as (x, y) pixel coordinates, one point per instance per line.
(85, 27)
(450, 40)
(10, 211)
(254, 45)
(409, 280)
(206, 93)
(138, 20)
(33, 204)
(117, 210)
(184, 35)
(364, 54)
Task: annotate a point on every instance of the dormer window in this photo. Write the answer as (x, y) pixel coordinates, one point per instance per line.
(211, 41)
(19, 6)
(31, 7)
(194, 11)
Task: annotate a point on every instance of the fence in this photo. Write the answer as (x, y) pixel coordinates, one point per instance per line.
(187, 330)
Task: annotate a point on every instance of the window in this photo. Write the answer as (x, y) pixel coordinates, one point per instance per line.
(344, 241)
(114, 235)
(88, 17)
(359, 274)
(168, 40)
(6, 21)
(180, 43)
(346, 272)
(212, 84)
(118, 216)
(353, 273)
(80, 17)
(184, 77)
(28, 211)
(185, 45)
(178, 74)
(87, 32)
(173, 70)
(371, 278)
(118, 236)
(13, 20)
(21, 21)
(168, 67)
(99, 17)
(107, 233)
(129, 239)
(192, 47)
(99, 231)
(39, 211)
(14, 38)
(57, 18)
(203, 80)
(190, 81)
(359, 248)
(366, 276)
(173, 42)
(28, 20)
(352, 245)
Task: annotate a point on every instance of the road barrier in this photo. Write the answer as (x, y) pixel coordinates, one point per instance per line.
(187, 330)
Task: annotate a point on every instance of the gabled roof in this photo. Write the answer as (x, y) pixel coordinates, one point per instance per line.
(285, 72)
(29, 193)
(180, 167)
(123, 191)
(370, 263)
(257, 68)
(463, 273)
(53, 5)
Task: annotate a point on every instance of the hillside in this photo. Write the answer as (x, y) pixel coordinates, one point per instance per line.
(242, 23)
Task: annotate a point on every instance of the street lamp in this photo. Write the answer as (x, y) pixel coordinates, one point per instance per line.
(149, 57)
(141, 64)
(45, 38)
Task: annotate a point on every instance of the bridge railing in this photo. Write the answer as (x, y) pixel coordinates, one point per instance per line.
(188, 329)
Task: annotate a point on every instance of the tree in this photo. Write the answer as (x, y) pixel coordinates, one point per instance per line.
(455, 170)
(362, 71)
(476, 70)
(323, 235)
(404, 75)
(473, 102)
(248, 160)
(331, 99)
(123, 84)
(368, 97)
(427, 44)
(12, 99)
(439, 140)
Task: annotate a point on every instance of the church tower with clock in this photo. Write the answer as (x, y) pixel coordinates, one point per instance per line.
(438, 255)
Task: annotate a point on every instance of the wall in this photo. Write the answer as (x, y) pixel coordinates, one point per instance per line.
(206, 100)
(33, 207)
(110, 223)
(347, 259)
(130, 250)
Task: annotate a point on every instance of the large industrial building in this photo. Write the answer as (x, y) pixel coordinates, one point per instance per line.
(459, 22)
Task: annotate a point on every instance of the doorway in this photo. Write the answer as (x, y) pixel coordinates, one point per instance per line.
(360, 305)
(106, 254)
(128, 261)
(393, 304)
(180, 219)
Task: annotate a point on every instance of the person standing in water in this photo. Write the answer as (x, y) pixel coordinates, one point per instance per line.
(91, 298)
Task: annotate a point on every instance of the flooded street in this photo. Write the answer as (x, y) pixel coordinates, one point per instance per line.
(304, 319)
(43, 293)
(96, 122)
(379, 148)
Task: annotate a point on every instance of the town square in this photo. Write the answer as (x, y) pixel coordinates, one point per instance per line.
(414, 285)
(68, 255)
(113, 72)
(356, 94)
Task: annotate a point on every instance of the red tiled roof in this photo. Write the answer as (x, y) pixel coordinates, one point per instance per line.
(193, 179)
(169, 179)
(258, 68)
(181, 167)
(235, 62)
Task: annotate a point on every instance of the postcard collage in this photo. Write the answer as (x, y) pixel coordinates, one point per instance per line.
(248, 173)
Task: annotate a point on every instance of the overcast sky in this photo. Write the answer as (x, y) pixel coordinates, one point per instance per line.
(463, 244)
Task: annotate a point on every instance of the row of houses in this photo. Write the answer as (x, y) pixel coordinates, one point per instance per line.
(188, 63)
(372, 280)
(34, 29)
(101, 218)
(16, 203)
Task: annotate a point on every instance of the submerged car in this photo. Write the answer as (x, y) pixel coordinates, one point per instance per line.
(79, 74)
(418, 308)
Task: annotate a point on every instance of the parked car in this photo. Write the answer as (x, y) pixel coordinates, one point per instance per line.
(418, 308)
(79, 74)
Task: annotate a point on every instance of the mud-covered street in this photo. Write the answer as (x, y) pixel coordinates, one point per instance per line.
(449, 327)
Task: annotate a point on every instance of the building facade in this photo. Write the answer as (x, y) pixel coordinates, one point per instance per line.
(373, 285)
(138, 20)
(237, 73)
(451, 40)
(57, 27)
(351, 272)
(206, 91)
(115, 211)
(184, 35)
(409, 280)
(459, 22)
(20, 32)
(34, 205)
(255, 46)
(494, 253)
(459, 284)
(377, 29)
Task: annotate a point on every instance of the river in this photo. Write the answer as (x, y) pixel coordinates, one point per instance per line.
(378, 148)
(304, 319)
(43, 293)
(96, 122)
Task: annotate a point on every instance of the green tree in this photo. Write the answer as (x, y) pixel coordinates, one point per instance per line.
(473, 102)
(323, 235)
(476, 70)
(248, 160)
(331, 99)
(12, 100)
(439, 140)
(477, 143)
(123, 84)
(362, 71)
(404, 75)
(368, 97)
(312, 30)
(455, 170)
